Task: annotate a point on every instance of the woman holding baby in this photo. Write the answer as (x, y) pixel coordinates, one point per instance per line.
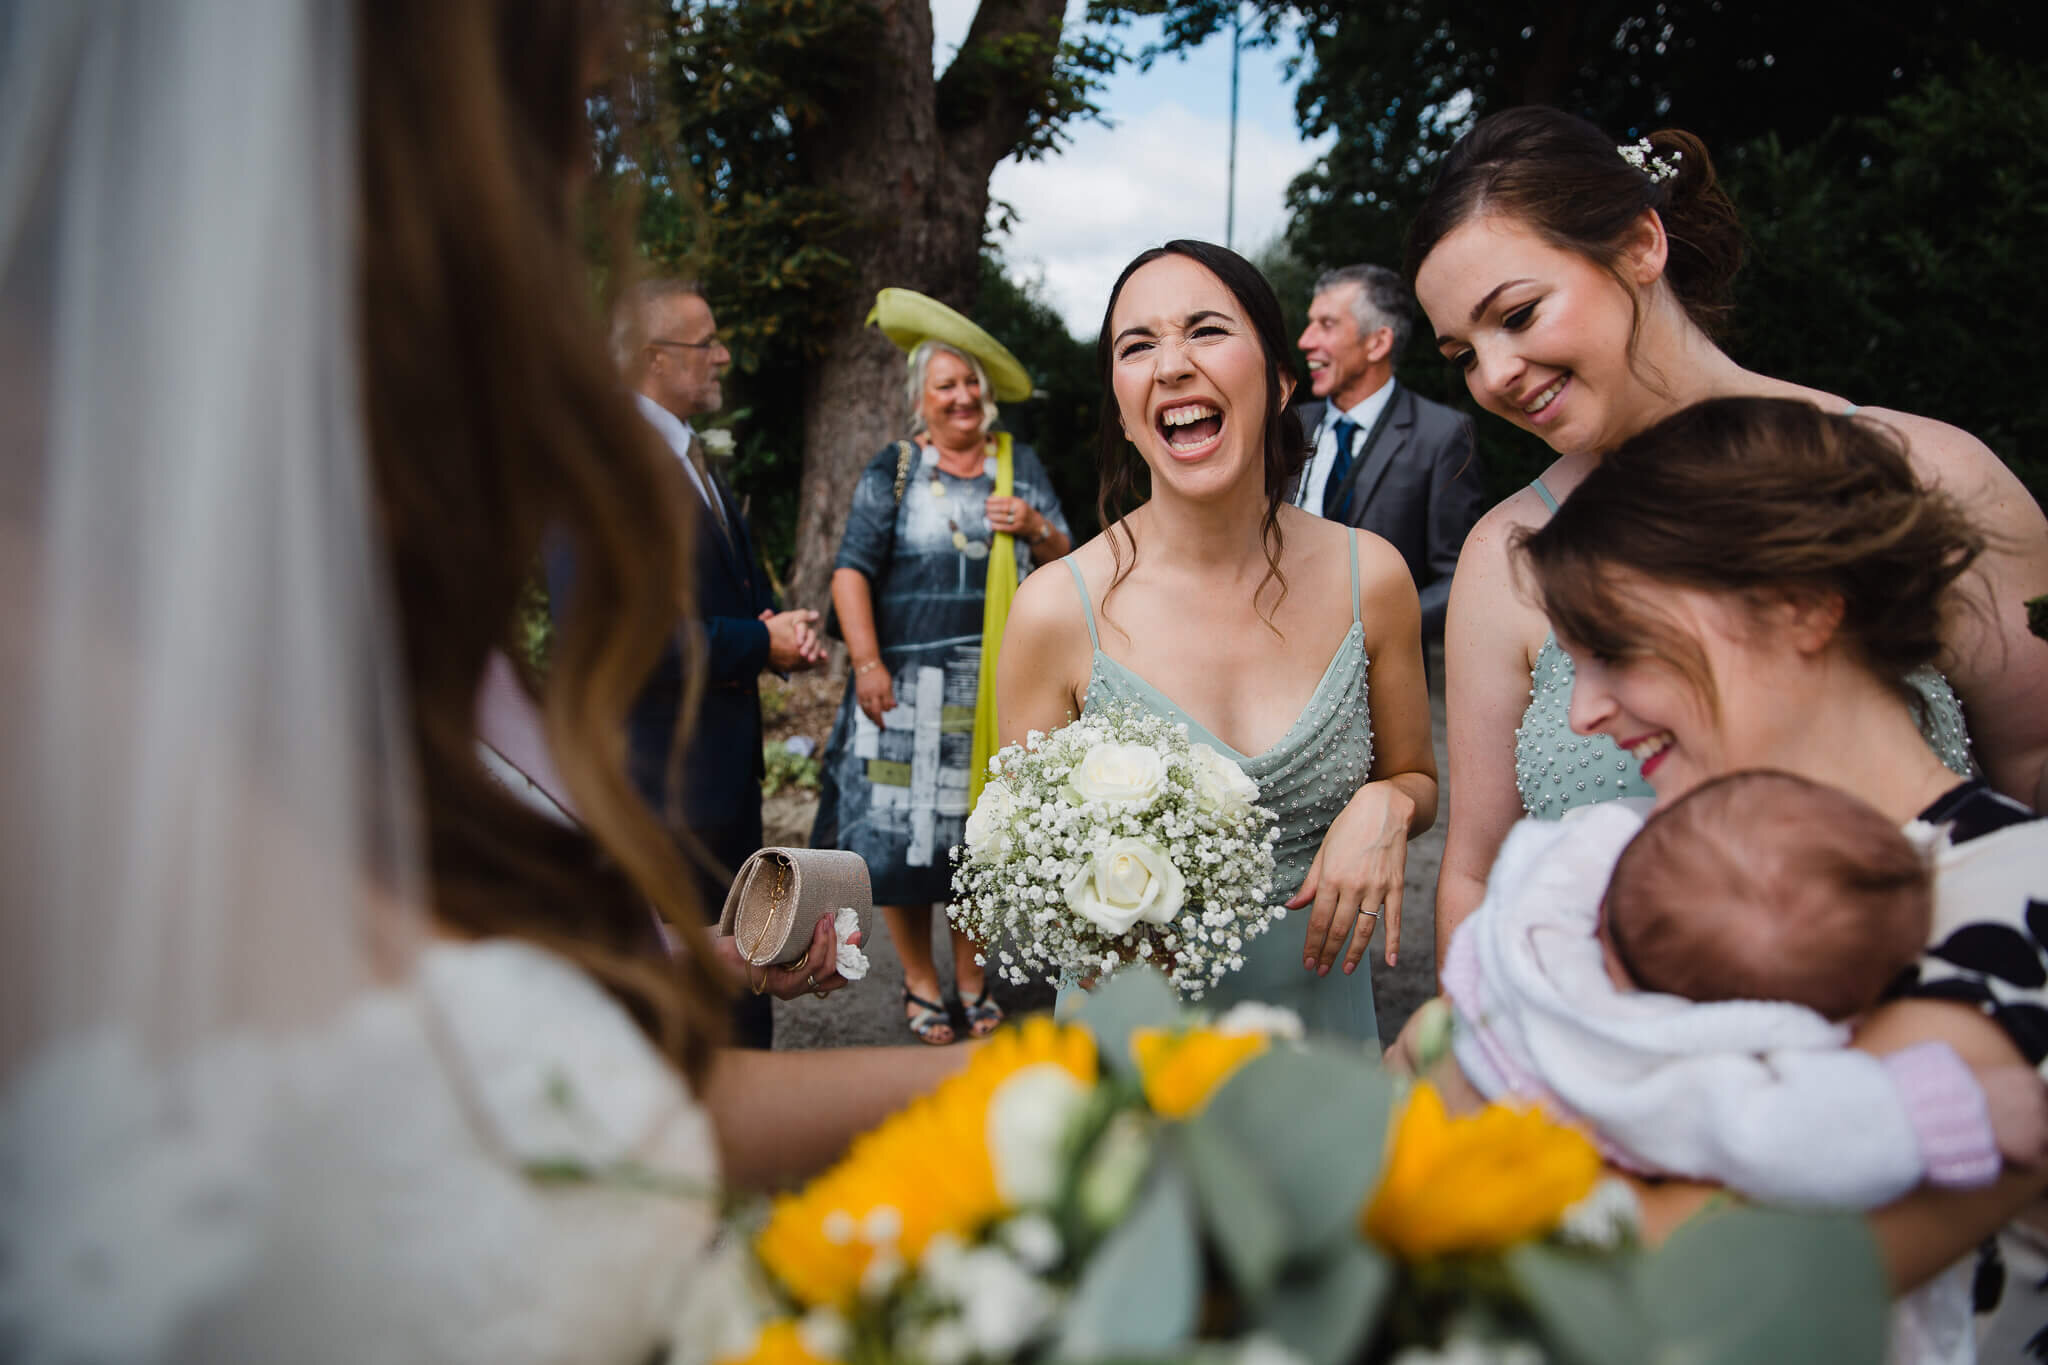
(1746, 585)
(1766, 580)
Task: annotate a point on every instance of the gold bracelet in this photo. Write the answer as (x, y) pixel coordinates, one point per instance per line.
(862, 668)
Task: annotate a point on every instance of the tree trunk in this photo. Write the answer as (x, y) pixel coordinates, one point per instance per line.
(911, 156)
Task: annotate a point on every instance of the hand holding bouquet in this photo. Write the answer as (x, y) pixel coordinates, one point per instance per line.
(1116, 840)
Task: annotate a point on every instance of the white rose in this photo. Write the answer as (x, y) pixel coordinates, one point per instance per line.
(1131, 773)
(1220, 785)
(990, 824)
(1028, 1117)
(1128, 881)
(717, 443)
(1250, 1016)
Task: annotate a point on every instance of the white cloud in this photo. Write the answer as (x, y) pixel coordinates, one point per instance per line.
(1158, 174)
(950, 19)
(1161, 171)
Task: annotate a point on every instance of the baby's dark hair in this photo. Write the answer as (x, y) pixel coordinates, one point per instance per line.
(1765, 886)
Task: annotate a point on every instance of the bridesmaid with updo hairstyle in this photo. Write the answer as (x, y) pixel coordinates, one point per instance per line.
(1581, 286)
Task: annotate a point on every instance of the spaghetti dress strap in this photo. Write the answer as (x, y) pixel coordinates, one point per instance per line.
(1095, 641)
(1544, 493)
(1354, 579)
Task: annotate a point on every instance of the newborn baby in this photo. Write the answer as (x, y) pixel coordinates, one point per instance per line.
(1700, 1025)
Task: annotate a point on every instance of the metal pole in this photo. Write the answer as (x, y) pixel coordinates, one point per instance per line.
(1230, 204)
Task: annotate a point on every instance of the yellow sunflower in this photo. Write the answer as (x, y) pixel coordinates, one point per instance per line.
(780, 1343)
(924, 1171)
(1180, 1071)
(1475, 1184)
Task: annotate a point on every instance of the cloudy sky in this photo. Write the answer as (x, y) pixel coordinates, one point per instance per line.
(1161, 170)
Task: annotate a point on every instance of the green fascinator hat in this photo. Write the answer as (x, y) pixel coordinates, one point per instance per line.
(907, 317)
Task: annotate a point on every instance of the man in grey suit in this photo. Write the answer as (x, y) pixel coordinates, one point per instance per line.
(1382, 457)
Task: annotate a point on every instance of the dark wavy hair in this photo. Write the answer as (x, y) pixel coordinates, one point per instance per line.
(1761, 498)
(1563, 177)
(1283, 444)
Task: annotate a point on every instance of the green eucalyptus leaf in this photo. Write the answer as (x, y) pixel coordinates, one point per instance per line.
(1748, 1285)
(1245, 1217)
(1325, 1315)
(1139, 1294)
(1314, 1121)
(1135, 998)
(1586, 1302)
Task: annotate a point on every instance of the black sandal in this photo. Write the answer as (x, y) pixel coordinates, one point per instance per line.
(931, 1016)
(982, 1010)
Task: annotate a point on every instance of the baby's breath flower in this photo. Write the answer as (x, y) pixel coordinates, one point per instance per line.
(1018, 886)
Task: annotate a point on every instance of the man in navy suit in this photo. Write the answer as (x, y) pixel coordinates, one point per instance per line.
(666, 342)
(1382, 457)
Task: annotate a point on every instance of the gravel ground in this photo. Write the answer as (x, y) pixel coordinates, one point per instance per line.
(869, 1012)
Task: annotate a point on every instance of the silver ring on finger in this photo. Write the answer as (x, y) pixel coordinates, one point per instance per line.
(1374, 913)
(811, 982)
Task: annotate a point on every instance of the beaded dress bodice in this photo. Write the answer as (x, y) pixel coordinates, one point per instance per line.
(1306, 779)
(1557, 770)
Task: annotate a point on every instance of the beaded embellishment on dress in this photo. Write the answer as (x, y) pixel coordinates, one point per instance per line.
(1555, 768)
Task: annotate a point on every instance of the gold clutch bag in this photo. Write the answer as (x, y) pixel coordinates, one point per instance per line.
(780, 895)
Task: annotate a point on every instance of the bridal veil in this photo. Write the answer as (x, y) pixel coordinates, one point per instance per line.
(205, 839)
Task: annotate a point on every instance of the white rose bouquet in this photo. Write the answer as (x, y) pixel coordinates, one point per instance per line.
(1116, 840)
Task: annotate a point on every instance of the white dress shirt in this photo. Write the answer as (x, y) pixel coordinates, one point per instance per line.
(677, 433)
(1314, 487)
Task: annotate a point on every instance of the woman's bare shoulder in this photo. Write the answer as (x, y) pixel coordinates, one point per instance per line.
(1048, 597)
(1953, 460)
(1486, 561)
(1496, 528)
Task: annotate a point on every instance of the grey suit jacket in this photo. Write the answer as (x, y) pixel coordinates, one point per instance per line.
(1418, 487)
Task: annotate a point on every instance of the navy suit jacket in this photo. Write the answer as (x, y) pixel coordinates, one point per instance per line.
(1418, 487)
(718, 798)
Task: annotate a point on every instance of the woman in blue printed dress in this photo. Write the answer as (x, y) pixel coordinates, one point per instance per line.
(908, 588)
(1579, 286)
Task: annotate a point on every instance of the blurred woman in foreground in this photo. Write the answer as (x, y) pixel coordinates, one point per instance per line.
(299, 1005)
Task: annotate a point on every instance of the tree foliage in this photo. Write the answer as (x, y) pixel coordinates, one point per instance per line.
(1059, 421)
(1890, 176)
(806, 154)
(1899, 258)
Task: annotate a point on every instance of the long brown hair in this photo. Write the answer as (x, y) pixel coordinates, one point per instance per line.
(1756, 497)
(494, 419)
(1563, 177)
(1282, 444)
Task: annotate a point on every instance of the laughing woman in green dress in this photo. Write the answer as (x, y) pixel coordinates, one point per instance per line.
(1286, 642)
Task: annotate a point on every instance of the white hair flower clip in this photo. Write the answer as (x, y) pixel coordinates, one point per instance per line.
(1641, 155)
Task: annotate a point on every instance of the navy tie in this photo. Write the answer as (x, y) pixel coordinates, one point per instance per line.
(1339, 467)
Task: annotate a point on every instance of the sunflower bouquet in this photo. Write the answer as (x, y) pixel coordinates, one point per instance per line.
(1112, 841)
(1152, 1185)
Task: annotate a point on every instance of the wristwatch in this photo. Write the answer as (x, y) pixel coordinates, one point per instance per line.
(1044, 533)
